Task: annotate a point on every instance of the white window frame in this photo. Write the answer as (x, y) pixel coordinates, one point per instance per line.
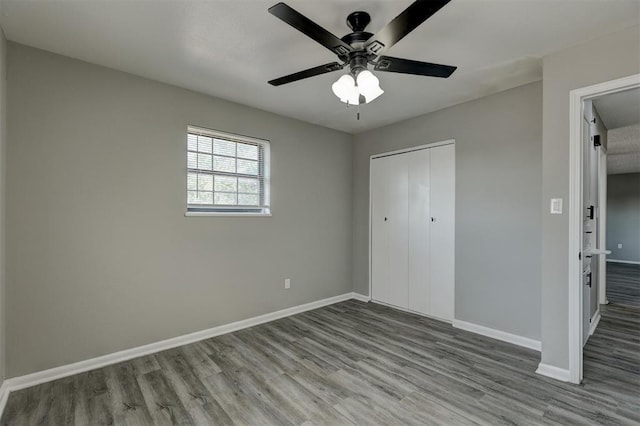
(207, 210)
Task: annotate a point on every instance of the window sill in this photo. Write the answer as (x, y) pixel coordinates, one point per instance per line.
(220, 214)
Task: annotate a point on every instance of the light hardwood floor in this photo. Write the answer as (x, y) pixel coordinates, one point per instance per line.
(349, 363)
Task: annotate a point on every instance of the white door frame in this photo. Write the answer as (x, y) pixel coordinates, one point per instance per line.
(576, 286)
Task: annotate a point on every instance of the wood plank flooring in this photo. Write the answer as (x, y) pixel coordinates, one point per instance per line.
(623, 284)
(349, 363)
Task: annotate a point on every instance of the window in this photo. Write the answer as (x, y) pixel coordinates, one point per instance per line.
(226, 173)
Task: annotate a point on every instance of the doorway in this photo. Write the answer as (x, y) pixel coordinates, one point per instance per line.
(620, 115)
(588, 209)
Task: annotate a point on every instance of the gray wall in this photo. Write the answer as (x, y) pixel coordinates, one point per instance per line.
(3, 138)
(623, 216)
(498, 168)
(100, 255)
(618, 55)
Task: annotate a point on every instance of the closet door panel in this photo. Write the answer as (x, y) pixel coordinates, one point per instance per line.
(398, 229)
(380, 283)
(443, 231)
(419, 224)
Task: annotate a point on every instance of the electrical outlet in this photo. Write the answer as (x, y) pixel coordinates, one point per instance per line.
(619, 245)
(287, 283)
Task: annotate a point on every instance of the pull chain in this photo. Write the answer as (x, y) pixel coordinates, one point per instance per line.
(357, 109)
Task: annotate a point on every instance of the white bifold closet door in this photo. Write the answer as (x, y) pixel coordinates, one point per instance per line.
(419, 230)
(390, 175)
(443, 189)
(412, 228)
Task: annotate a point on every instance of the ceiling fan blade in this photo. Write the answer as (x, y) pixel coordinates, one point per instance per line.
(311, 72)
(408, 66)
(310, 28)
(418, 12)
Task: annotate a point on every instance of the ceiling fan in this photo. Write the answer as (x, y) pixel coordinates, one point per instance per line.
(359, 49)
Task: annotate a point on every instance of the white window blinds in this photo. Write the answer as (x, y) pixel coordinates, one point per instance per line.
(226, 173)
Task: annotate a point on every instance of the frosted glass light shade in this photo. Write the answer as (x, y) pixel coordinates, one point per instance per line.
(345, 88)
(369, 85)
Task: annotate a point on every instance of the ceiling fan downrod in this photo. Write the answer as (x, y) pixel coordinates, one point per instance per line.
(358, 21)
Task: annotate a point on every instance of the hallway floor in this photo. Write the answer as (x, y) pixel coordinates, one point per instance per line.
(612, 354)
(623, 284)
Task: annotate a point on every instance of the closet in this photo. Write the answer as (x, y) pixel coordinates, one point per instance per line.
(412, 229)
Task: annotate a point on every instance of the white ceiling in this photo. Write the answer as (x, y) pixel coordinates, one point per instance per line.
(231, 48)
(620, 113)
(619, 109)
(623, 150)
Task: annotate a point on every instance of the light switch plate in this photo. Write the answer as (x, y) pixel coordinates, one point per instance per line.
(556, 206)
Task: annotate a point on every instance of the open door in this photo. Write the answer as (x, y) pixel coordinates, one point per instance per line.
(602, 224)
(589, 206)
(593, 134)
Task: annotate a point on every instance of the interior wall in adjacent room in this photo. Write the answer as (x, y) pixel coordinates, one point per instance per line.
(623, 216)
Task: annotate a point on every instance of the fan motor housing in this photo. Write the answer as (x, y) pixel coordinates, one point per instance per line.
(358, 62)
(356, 38)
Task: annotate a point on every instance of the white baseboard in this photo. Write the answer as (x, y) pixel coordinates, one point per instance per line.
(21, 382)
(554, 372)
(499, 335)
(594, 322)
(361, 297)
(630, 262)
(4, 395)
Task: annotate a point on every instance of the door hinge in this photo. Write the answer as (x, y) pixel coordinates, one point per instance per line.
(579, 255)
(596, 141)
(591, 211)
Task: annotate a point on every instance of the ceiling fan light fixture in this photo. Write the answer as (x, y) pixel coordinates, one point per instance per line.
(369, 85)
(345, 88)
